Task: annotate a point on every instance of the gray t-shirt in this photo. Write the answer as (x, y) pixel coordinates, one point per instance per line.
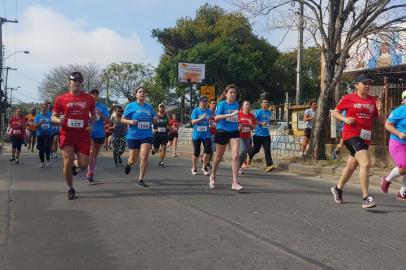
(309, 112)
(119, 130)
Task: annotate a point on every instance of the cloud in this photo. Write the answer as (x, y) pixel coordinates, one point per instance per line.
(54, 40)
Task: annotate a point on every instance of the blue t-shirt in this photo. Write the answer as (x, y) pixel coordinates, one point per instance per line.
(262, 116)
(201, 130)
(398, 118)
(45, 128)
(55, 129)
(143, 115)
(98, 126)
(230, 124)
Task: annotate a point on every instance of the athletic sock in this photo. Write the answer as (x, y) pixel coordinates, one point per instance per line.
(403, 187)
(393, 174)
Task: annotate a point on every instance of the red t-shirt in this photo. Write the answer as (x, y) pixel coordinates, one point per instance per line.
(245, 127)
(17, 127)
(213, 124)
(76, 111)
(174, 126)
(363, 111)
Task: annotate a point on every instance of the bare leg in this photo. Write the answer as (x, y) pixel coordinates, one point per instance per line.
(68, 158)
(133, 156)
(347, 172)
(235, 157)
(220, 149)
(144, 153)
(364, 162)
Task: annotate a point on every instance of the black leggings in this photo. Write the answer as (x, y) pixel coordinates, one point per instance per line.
(206, 145)
(44, 143)
(264, 141)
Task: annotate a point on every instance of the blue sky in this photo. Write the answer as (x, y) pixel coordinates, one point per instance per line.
(79, 31)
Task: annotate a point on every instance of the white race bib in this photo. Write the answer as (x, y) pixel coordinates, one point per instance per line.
(246, 129)
(365, 134)
(16, 131)
(201, 128)
(45, 126)
(97, 117)
(143, 125)
(233, 118)
(161, 129)
(76, 123)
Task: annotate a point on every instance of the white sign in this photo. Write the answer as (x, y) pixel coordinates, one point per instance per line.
(189, 72)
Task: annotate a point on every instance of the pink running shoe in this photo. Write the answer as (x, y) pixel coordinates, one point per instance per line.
(401, 196)
(385, 185)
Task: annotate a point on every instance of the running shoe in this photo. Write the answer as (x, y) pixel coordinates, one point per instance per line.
(152, 152)
(127, 169)
(240, 172)
(142, 184)
(49, 165)
(120, 161)
(212, 182)
(401, 196)
(56, 156)
(237, 186)
(17, 160)
(161, 164)
(338, 195)
(385, 184)
(368, 202)
(89, 178)
(41, 165)
(194, 171)
(71, 194)
(175, 155)
(74, 170)
(334, 156)
(12, 159)
(205, 171)
(270, 168)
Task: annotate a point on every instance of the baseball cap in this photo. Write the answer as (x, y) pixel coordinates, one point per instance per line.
(203, 99)
(404, 94)
(95, 91)
(161, 105)
(76, 76)
(363, 78)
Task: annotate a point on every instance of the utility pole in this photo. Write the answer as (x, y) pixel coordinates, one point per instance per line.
(299, 53)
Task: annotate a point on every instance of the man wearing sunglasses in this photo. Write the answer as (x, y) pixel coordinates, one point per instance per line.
(75, 113)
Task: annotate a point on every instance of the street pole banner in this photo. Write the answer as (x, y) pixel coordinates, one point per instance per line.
(190, 72)
(208, 91)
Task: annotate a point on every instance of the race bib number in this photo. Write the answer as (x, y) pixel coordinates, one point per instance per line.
(201, 128)
(161, 129)
(75, 123)
(365, 134)
(45, 126)
(143, 125)
(97, 117)
(16, 131)
(233, 118)
(246, 129)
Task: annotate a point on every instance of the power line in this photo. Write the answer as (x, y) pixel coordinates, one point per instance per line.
(28, 77)
(287, 32)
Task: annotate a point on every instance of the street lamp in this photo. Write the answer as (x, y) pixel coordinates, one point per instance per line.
(26, 52)
(11, 97)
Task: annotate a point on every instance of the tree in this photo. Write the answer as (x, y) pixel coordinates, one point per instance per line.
(156, 94)
(225, 43)
(56, 81)
(337, 26)
(124, 78)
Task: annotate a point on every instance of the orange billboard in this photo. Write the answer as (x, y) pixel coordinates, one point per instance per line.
(208, 91)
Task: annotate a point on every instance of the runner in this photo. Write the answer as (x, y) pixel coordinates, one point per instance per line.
(72, 111)
(161, 128)
(31, 129)
(119, 131)
(201, 135)
(336, 151)
(213, 125)
(44, 134)
(227, 132)
(173, 134)
(16, 130)
(109, 139)
(361, 108)
(396, 125)
(139, 115)
(97, 135)
(308, 118)
(55, 139)
(261, 135)
(247, 123)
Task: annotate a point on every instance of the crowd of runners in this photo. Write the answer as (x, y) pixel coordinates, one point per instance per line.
(82, 126)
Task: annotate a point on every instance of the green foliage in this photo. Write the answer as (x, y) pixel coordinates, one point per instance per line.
(225, 43)
(122, 79)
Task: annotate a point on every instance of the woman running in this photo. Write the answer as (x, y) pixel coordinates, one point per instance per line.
(227, 132)
(173, 134)
(31, 129)
(140, 116)
(396, 125)
(247, 123)
(361, 109)
(16, 130)
(119, 131)
(44, 134)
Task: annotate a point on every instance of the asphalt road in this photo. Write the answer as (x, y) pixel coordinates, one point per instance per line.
(280, 221)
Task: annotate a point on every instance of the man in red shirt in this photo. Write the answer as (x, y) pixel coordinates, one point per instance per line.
(173, 134)
(247, 123)
(16, 130)
(361, 109)
(75, 113)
